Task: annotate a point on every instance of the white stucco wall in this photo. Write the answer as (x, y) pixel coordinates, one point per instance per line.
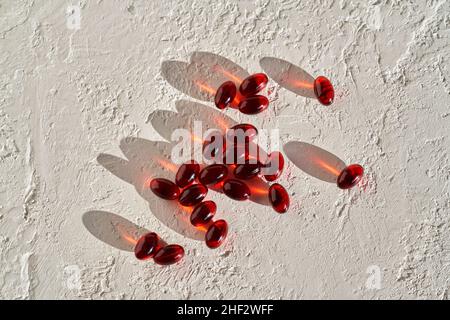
(68, 95)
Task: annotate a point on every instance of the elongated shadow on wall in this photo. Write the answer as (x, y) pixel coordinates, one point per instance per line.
(144, 161)
(314, 161)
(113, 229)
(289, 76)
(202, 75)
(165, 122)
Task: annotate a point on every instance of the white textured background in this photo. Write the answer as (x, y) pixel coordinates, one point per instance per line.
(68, 95)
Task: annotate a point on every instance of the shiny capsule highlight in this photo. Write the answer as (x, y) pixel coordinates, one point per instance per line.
(192, 195)
(164, 188)
(253, 84)
(279, 198)
(213, 174)
(236, 154)
(147, 246)
(241, 132)
(187, 173)
(324, 91)
(225, 95)
(169, 254)
(216, 234)
(203, 213)
(274, 166)
(350, 176)
(247, 171)
(236, 190)
(213, 149)
(253, 104)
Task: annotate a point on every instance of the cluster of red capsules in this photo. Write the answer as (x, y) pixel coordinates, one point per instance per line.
(246, 99)
(237, 155)
(249, 102)
(244, 165)
(190, 189)
(192, 183)
(150, 245)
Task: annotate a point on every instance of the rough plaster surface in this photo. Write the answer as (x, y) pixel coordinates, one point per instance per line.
(68, 96)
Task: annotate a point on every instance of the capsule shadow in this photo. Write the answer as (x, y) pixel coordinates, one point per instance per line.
(315, 161)
(202, 75)
(144, 161)
(165, 122)
(113, 230)
(289, 76)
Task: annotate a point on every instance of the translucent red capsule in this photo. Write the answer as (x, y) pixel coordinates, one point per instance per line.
(350, 176)
(279, 198)
(324, 91)
(164, 188)
(236, 154)
(274, 166)
(187, 173)
(193, 195)
(241, 152)
(213, 174)
(225, 95)
(203, 213)
(147, 246)
(242, 132)
(216, 234)
(247, 171)
(211, 148)
(169, 254)
(236, 190)
(254, 104)
(253, 84)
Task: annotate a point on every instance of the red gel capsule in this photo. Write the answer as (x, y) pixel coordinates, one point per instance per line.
(247, 171)
(241, 153)
(253, 84)
(164, 188)
(216, 234)
(253, 105)
(279, 198)
(324, 91)
(187, 173)
(212, 149)
(350, 176)
(242, 132)
(236, 190)
(225, 95)
(147, 246)
(169, 254)
(192, 195)
(235, 154)
(274, 166)
(203, 213)
(213, 174)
